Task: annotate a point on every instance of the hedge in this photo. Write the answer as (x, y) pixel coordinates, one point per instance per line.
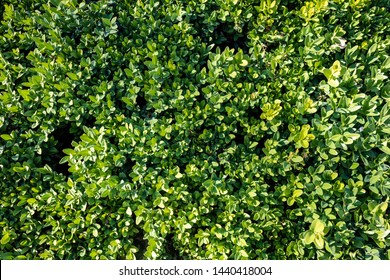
(194, 129)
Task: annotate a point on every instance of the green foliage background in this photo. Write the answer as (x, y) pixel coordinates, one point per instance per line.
(194, 129)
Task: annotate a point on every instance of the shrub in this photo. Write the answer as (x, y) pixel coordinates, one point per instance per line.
(194, 129)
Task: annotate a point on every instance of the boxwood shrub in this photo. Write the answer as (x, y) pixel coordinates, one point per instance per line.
(194, 129)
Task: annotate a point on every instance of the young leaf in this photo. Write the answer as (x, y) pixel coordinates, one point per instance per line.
(73, 76)
(319, 241)
(317, 226)
(5, 239)
(308, 237)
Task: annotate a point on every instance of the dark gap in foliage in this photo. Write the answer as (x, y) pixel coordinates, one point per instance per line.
(316, 79)
(124, 171)
(214, 214)
(8, 125)
(167, 113)
(292, 5)
(140, 243)
(271, 46)
(326, 17)
(128, 165)
(89, 121)
(343, 170)
(271, 183)
(309, 160)
(108, 73)
(226, 36)
(254, 112)
(141, 101)
(373, 154)
(113, 141)
(63, 138)
(72, 37)
(173, 253)
(122, 31)
(239, 135)
(283, 90)
(182, 166)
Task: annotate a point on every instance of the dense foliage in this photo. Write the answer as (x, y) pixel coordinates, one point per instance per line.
(194, 129)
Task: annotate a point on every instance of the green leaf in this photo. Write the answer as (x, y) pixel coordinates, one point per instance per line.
(336, 137)
(253, 145)
(6, 137)
(128, 72)
(233, 74)
(85, 138)
(297, 159)
(31, 201)
(317, 226)
(290, 201)
(128, 211)
(386, 64)
(244, 63)
(352, 136)
(297, 193)
(73, 76)
(151, 46)
(242, 243)
(336, 68)
(64, 159)
(319, 241)
(138, 220)
(244, 254)
(328, 74)
(159, 202)
(187, 226)
(252, 193)
(354, 108)
(106, 22)
(333, 83)
(25, 94)
(385, 149)
(308, 237)
(68, 151)
(383, 206)
(354, 166)
(5, 239)
(372, 49)
(320, 169)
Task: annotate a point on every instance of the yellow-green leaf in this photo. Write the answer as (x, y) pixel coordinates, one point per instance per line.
(244, 63)
(317, 226)
(309, 237)
(5, 239)
(319, 241)
(73, 76)
(6, 137)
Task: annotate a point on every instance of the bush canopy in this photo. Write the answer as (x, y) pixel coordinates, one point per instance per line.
(194, 129)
